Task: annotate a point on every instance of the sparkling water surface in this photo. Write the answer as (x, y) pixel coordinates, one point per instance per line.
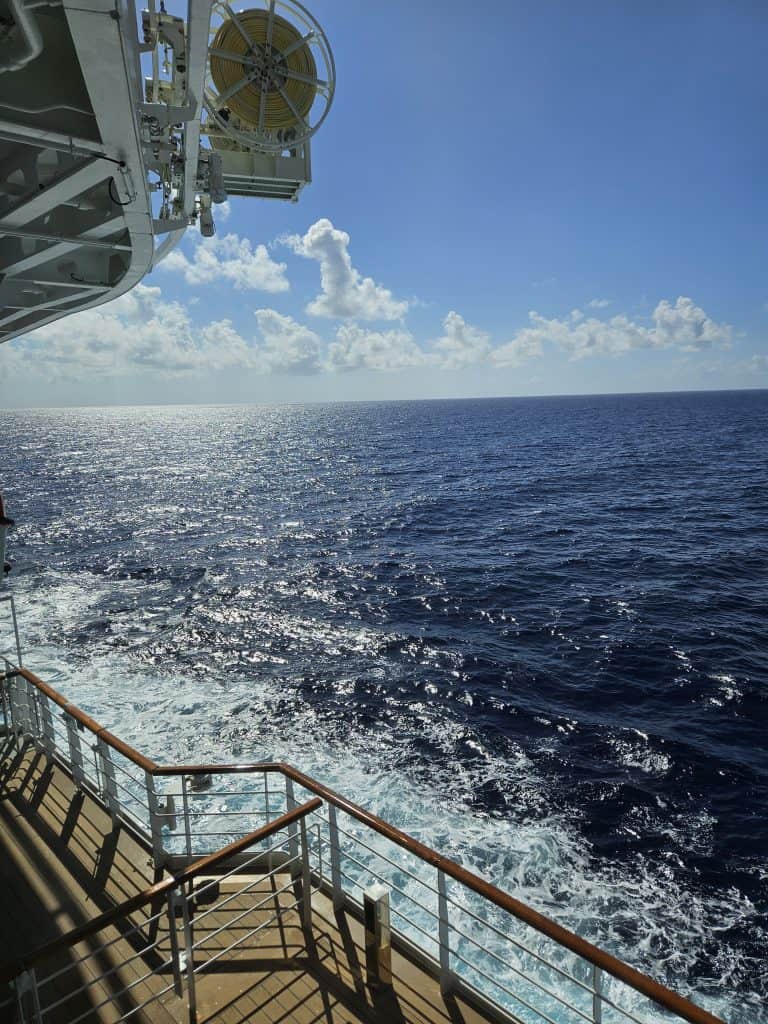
(531, 632)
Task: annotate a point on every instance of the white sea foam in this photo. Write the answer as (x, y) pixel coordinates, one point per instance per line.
(647, 916)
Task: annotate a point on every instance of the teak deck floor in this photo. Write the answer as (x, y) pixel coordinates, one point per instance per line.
(62, 862)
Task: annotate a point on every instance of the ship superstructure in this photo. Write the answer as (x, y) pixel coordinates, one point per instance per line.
(119, 131)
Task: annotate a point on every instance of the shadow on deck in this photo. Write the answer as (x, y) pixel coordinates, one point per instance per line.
(62, 862)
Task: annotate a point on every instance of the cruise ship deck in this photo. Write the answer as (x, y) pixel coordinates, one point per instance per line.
(252, 892)
(62, 861)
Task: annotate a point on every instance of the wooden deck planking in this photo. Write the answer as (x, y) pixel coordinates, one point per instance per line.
(62, 862)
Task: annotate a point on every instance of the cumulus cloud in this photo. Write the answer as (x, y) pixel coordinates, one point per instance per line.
(525, 346)
(686, 326)
(345, 294)
(358, 349)
(138, 331)
(289, 347)
(598, 303)
(141, 332)
(229, 258)
(682, 325)
(461, 345)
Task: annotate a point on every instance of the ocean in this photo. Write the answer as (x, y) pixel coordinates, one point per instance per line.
(532, 632)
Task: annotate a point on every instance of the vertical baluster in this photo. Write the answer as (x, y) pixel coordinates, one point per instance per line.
(597, 996)
(187, 817)
(155, 820)
(293, 832)
(47, 732)
(189, 955)
(26, 986)
(174, 901)
(443, 932)
(108, 783)
(267, 818)
(333, 836)
(306, 878)
(75, 750)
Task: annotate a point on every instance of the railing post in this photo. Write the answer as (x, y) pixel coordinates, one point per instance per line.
(293, 832)
(173, 901)
(26, 985)
(443, 932)
(189, 956)
(155, 824)
(306, 879)
(378, 936)
(187, 818)
(5, 698)
(333, 836)
(75, 750)
(47, 733)
(597, 997)
(24, 705)
(108, 782)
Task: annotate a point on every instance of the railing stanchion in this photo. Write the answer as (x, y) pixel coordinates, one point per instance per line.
(47, 734)
(597, 998)
(293, 833)
(155, 824)
(174, 901)
(333, 835)
(75, 750)
(187, 818)
(306, 878)
(108, 783)
(24, 690)
(189, 957)
(26, 985)
(443, 932)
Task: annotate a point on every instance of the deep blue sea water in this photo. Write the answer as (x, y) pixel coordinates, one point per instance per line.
(532, 632)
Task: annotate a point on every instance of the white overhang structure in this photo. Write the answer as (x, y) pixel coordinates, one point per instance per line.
(102, 166)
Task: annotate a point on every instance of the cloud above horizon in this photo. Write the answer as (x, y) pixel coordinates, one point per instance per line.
(345, 293)
(229, 258)
(145, 331)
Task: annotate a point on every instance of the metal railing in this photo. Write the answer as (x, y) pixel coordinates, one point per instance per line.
(129, 959)
(470, 934)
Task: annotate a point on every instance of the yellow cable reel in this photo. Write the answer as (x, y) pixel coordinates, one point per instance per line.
(255, 78)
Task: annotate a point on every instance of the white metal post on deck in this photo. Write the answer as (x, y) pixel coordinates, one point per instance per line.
(333, 835)
(108, 782)
(293, 832)
(189, 955)
(443, 932)
(597, 997)
(75, 749)
(155, 823)
(47, 734)
(306, 879)
(28, 998)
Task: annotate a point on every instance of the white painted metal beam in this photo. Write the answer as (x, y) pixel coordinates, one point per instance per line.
(65, 186)
(91, 239)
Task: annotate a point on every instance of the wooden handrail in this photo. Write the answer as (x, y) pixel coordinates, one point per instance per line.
(642, 983)
(12, 969)
(88, 723)
(563, 936)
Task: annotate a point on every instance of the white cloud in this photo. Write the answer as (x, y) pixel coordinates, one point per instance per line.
(462, 344)
(289, 347)
(137, 332)
(229, 258)
(687, 326)
(526, 345)
(682, 325)
(345, 294)
(598, 303)
(358, 349)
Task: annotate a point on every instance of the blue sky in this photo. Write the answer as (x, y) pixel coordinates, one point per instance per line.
(528, 198)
